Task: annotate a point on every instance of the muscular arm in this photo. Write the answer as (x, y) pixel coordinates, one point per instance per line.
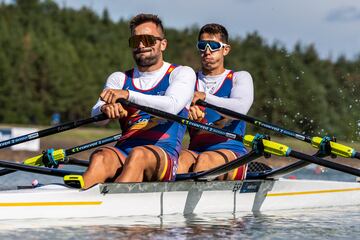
(241, 97)
(177, 96)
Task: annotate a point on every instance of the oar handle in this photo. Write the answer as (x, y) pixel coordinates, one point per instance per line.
(182, 120)
(256, 122)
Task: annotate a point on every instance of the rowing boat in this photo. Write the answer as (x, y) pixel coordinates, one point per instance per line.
(57, 201)
(192, 193)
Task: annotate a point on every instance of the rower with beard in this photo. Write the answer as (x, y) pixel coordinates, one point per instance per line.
(149, 147)
(224, 88)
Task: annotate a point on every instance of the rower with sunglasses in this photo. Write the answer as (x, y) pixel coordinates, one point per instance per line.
(224, 88)
(149, 147)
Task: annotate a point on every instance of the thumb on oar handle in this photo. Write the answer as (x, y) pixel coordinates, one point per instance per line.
(336, 148)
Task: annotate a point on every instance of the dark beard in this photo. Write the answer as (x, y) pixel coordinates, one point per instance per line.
(145, 61)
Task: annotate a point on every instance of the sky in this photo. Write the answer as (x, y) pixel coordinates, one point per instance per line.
(328, 24)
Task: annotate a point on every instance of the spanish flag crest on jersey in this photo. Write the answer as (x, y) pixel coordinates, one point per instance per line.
(171, 68)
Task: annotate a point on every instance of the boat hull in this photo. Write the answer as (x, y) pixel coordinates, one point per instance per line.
(156, 199)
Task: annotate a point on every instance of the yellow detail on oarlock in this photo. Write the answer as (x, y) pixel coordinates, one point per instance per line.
(312, 192)
(48, 204)
(336, 148)
(271, 147)
(37, 160)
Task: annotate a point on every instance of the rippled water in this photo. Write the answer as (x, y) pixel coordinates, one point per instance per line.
(327, 223)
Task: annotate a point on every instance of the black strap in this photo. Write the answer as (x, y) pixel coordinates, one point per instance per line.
(226, 175)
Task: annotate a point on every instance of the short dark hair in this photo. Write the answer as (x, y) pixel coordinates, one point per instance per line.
(214, 28)
(143, 18)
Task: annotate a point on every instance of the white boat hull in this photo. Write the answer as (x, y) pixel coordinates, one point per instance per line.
(156, 199)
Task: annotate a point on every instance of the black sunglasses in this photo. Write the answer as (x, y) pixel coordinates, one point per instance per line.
(147, 40)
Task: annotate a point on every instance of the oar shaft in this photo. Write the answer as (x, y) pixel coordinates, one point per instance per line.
(6, 171)
(325, 163)
(38, 160)
(285, 169)
(280, 171)
(75, 161)
(39, 170)
(269, 146)
(317, 142)
(183, 121)
(220, 170)
(71, 160)
(60, 154)
(256, 122)
(52, 130)
(91, 145)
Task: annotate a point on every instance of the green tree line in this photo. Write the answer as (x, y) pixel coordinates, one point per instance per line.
(55, 59)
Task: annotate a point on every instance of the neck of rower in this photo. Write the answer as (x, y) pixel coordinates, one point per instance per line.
(213, 72)
(151, 68)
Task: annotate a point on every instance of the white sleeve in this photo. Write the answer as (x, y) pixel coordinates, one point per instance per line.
(115, 81)
(178, 95)
(241, 97)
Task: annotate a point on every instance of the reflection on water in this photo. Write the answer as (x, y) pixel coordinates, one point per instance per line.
(327, 223)
(333, 223)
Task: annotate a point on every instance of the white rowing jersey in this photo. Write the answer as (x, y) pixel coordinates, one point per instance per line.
(241, 94)
(231, 90)
(177, 96)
